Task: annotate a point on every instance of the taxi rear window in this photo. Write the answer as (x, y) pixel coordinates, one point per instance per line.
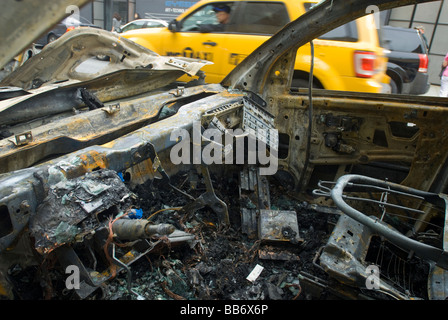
(262, 18)
(347, 32)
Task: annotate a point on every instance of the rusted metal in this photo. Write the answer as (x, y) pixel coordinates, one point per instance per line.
(82, 130)
(437, 255)
(401, 138)
(278, 225)
(130, 229)
(14, 39)
(209, 199)
(61, 60)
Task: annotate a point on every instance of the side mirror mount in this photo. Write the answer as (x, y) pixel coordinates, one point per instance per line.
(174, 26)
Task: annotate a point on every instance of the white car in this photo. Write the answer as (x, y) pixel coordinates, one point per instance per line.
(143, 23)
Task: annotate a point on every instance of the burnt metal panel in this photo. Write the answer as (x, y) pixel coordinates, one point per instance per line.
(18, 33)
(77, 131)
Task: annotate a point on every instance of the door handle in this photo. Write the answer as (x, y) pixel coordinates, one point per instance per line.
(209, 43)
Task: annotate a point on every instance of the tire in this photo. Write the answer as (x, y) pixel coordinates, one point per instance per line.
(393, 87)
(51, 38)
(299, 83)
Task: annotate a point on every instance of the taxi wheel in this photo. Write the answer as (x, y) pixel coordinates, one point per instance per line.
(302, 83)
(393, 86)
(299, 83)
(51, 38)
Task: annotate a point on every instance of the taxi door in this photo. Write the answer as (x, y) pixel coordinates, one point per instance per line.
(197, 36)
(251, 25)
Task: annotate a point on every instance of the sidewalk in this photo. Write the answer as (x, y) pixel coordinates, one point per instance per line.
(433, 91)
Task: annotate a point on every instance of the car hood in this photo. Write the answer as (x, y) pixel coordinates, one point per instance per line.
(61, 60)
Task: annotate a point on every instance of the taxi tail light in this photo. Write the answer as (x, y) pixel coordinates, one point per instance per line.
(70, 28)
(364, 64)
(423, 66)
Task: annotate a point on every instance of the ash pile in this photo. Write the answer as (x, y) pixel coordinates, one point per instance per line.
(240, 252)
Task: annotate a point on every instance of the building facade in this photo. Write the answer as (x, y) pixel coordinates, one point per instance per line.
(100, 12)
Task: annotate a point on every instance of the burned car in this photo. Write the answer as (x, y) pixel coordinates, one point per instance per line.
(126, 184)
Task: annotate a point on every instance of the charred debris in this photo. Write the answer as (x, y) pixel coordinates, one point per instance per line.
(165, 240)
(93, 206)
(122, 221)
(225, 232)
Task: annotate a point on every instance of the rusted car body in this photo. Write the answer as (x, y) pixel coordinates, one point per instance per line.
(69, 132)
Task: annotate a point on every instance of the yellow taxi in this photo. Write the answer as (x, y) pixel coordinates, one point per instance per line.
(348, 58)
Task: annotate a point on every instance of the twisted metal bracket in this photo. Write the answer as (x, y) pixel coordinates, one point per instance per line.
(439, 256)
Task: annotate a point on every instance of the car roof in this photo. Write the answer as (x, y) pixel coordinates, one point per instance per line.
(148, 19)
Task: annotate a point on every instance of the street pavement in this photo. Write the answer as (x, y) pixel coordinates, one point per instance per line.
(433, 91)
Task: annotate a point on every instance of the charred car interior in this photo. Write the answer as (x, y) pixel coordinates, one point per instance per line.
(124, 183)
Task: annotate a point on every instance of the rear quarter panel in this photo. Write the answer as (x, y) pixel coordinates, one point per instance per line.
(334, 60)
